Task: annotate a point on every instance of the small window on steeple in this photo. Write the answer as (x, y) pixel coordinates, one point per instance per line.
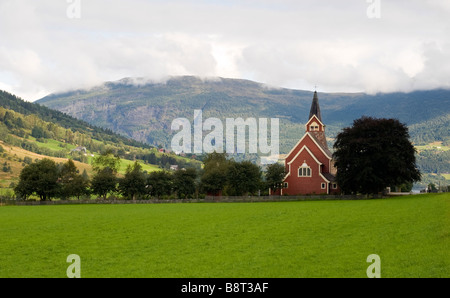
(314, 126)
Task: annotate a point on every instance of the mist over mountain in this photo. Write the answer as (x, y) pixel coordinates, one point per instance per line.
(144, 110)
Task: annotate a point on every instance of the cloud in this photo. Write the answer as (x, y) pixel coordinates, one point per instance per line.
(295, 44)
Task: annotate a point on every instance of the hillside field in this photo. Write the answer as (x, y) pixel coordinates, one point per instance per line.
(227, 240)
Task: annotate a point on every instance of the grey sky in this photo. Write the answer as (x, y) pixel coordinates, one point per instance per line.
(347, 45)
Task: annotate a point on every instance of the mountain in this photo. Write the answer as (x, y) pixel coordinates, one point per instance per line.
(29, 131)
(144, 110)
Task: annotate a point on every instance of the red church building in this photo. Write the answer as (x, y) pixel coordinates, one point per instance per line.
(309, 165)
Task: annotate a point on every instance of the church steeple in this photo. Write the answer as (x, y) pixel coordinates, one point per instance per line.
(315, 125)
(315, 108)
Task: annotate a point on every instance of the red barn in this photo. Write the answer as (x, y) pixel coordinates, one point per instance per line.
(309, 166)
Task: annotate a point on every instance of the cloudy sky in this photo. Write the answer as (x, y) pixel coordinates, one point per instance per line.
(347, 45)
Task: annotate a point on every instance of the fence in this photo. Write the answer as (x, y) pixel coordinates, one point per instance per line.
(208, 199)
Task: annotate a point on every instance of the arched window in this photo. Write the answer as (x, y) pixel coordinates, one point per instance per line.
(304, 170)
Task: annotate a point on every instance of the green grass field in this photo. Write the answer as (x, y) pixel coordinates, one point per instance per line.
(124, 163)
(225, 240)
(52, 144)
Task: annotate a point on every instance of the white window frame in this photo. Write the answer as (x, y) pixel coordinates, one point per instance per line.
(306, 172)
(323, 185)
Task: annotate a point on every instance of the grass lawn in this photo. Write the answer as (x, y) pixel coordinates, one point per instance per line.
(435, 146)
(124, 163)
(52, 144)
(284, 239)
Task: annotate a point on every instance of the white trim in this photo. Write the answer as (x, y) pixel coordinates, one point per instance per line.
(298, 143)
(295, 157)
(314, 116)
(310, 153)
(323, 177)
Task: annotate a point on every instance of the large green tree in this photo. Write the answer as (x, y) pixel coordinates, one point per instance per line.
(373, 154)
(159, 183)
(72, 183)
(214, 176)
(184, 183)
(243, 178)
(104, 182)
(133, 184)
(275, 174)
(40, 178)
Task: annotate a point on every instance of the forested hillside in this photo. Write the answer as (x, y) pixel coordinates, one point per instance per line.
(144, 110)
(29, 131)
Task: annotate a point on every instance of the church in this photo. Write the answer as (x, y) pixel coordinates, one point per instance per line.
(309, 165)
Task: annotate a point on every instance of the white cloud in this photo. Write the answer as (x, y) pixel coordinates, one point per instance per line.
(296, 44)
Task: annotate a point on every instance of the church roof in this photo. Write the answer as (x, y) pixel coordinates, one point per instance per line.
(315, 108)
(322, 145)
(330, 177)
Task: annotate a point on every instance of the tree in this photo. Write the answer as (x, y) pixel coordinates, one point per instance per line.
(374, 154)
(243, 178)
(159, 183)
(38, 132)
(104, 182)
(214, 176)
(432, 187)
(40, 178)
(275, 174)
(106, 160)
(72, 184)
(133, 184)
(184, 182)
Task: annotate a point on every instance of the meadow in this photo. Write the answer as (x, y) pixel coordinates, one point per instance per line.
(230, 240)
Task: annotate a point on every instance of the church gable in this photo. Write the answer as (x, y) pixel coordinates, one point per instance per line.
(314, 124)
(309, 141)
(304, 160)
(305, 174)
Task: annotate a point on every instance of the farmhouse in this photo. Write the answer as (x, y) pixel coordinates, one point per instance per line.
(309, 165)
(80, 149)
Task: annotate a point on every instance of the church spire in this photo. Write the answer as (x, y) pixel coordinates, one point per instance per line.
(315, 108)
(313, 127)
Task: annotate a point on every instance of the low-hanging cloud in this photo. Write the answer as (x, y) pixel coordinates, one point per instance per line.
(294, 44)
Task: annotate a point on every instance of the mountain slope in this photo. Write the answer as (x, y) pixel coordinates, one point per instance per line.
(29, 131)
(145, 111)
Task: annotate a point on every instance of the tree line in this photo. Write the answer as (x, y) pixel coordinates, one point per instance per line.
(220, 176)
(370, 156)
(17, 129)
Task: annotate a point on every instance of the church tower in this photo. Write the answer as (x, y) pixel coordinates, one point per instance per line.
(315, 125)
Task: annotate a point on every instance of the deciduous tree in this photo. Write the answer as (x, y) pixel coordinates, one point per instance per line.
(374, 154)
(40, 178)
(275, 174)
(134, 182)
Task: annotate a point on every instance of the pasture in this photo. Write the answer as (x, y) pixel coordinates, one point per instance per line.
(230, 240)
